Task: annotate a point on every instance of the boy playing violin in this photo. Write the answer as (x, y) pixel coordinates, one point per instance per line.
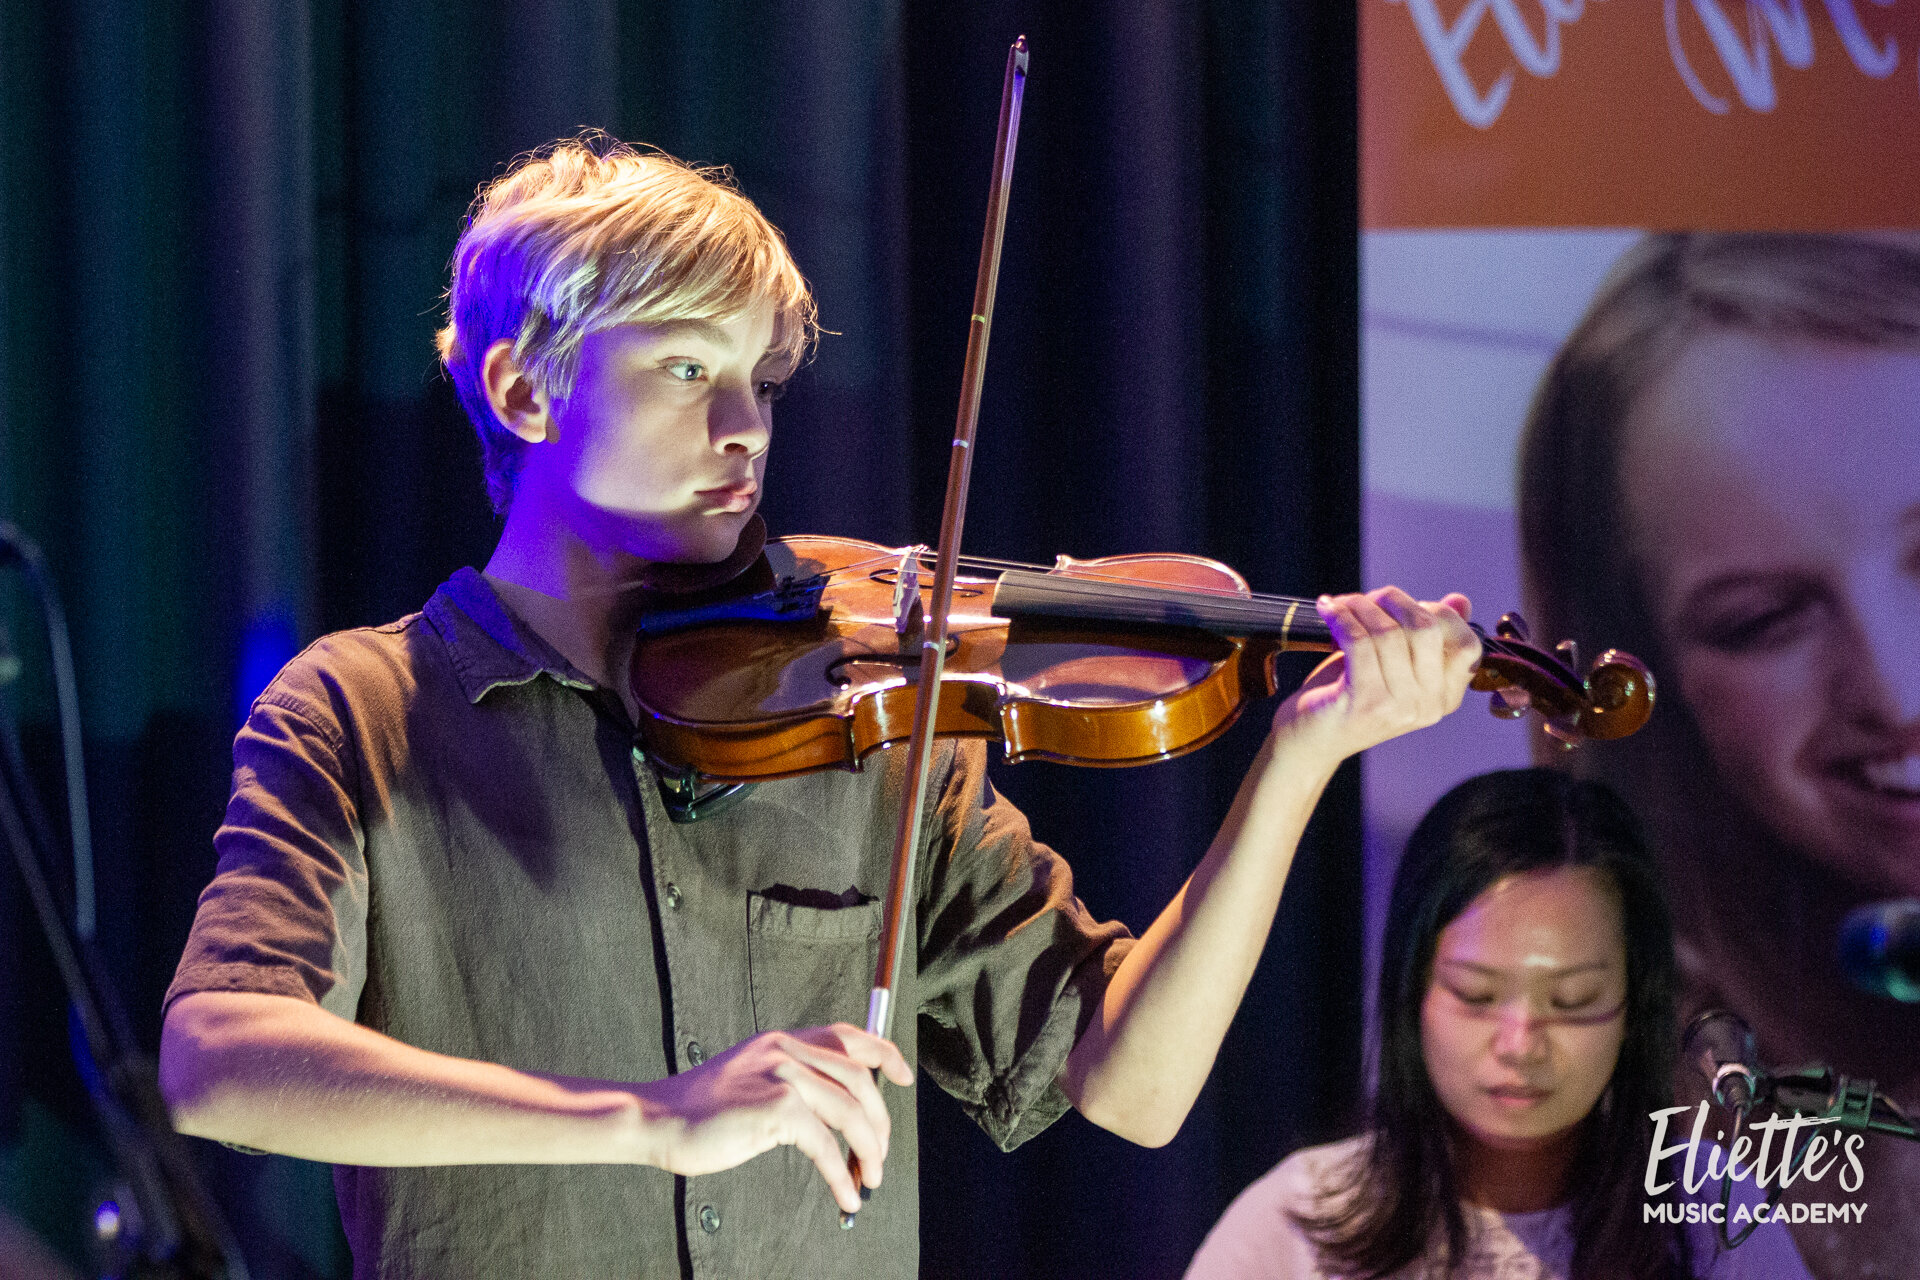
(456, 945)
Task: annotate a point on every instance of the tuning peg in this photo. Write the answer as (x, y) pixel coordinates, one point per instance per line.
(1511, 627)
(1567, 739)
(1569, 653)
(1509, 702)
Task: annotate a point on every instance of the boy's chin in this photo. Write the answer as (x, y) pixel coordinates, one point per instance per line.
(704, 540)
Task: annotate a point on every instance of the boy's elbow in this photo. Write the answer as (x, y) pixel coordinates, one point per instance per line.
(1144, 1125)
(1145, 1116)
(202, 1041)
(187, 1069)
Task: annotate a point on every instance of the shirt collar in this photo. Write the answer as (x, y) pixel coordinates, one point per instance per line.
(488, 646)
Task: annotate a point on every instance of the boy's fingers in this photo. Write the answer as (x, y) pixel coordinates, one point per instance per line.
(1366, 611)
(834, 1107)
(872, 1052)
(1355, 640)
(855, 1080)
(1393, 620)
(1421, 639)
(1463, 650)
(1403, 608)
(816, 1142)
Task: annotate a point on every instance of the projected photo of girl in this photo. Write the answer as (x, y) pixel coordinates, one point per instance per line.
(1721, 474)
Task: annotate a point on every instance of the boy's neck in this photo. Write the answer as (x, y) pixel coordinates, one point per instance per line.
(575, 597)
(582, 595)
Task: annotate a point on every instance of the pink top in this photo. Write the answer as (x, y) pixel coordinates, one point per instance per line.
(1257, 1239)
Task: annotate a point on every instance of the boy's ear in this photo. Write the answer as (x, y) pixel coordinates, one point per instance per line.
(521, 406)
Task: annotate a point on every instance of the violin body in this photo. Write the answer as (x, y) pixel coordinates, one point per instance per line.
(757, 699)
(1111, 662)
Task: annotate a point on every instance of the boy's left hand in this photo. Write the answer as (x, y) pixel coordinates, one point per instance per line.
(1403, 664)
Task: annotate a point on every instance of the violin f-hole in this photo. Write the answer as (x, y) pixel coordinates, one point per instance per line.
(838, 677)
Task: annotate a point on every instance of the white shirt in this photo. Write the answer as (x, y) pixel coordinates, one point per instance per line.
(1257, 1238)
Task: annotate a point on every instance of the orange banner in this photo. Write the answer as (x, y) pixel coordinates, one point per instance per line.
(1796, 115)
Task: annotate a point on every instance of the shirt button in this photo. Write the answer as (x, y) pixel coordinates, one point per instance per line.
(709, 1219)
(673, 897)
(696, 1055)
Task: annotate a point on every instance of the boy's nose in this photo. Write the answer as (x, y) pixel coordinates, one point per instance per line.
(738, 424)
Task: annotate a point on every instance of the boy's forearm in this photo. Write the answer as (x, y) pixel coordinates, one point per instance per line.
(1141, 1063)
(286, 1076)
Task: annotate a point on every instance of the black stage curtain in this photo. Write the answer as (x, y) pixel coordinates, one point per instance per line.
(223, 236)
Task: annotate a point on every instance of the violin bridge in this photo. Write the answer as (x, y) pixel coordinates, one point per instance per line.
(908, 612)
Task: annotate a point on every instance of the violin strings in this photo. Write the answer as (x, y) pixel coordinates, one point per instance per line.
(1227, 609)
(1083, 574)
(1122, 585)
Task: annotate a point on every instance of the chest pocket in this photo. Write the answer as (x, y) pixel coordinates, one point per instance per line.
(810, 965)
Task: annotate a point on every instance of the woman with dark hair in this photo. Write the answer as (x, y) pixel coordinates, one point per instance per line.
(1721, 473)
(1526, 1036)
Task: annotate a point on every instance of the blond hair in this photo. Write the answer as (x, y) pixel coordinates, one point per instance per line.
(587, 234)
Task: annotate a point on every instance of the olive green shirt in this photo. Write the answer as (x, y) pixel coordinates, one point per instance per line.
(441, 830)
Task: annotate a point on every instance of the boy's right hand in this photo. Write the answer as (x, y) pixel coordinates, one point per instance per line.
(779, 1088)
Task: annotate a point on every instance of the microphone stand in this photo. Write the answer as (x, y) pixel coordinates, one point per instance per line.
(1816, 1092)
(171, 1230)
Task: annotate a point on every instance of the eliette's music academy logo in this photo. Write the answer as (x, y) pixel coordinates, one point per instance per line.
(1765, 1167)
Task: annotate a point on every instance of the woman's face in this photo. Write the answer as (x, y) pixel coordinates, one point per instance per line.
(1526, 1006)
(1773, 497)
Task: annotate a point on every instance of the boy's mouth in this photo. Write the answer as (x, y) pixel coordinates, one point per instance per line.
(730, 497)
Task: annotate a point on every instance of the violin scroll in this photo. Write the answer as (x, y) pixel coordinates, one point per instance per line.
(1621, 690)
(1612, 700)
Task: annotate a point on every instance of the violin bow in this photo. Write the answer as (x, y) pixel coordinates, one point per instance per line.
(933, 635)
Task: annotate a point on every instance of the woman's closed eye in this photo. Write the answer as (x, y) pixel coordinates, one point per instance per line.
(1757, 624)
(1582, 1002)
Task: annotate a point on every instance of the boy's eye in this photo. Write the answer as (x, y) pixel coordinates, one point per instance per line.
(686, 370)
(769, 390)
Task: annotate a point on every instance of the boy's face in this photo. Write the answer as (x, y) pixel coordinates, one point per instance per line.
(661, 446)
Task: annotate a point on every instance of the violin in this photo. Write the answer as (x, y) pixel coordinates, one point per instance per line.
(1111, 662)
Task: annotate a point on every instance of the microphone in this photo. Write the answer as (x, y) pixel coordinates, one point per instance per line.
(1720, 1045)
(1880, 949)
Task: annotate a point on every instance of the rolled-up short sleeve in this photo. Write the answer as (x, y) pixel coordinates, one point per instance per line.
(1012, 966)
(286, 913)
